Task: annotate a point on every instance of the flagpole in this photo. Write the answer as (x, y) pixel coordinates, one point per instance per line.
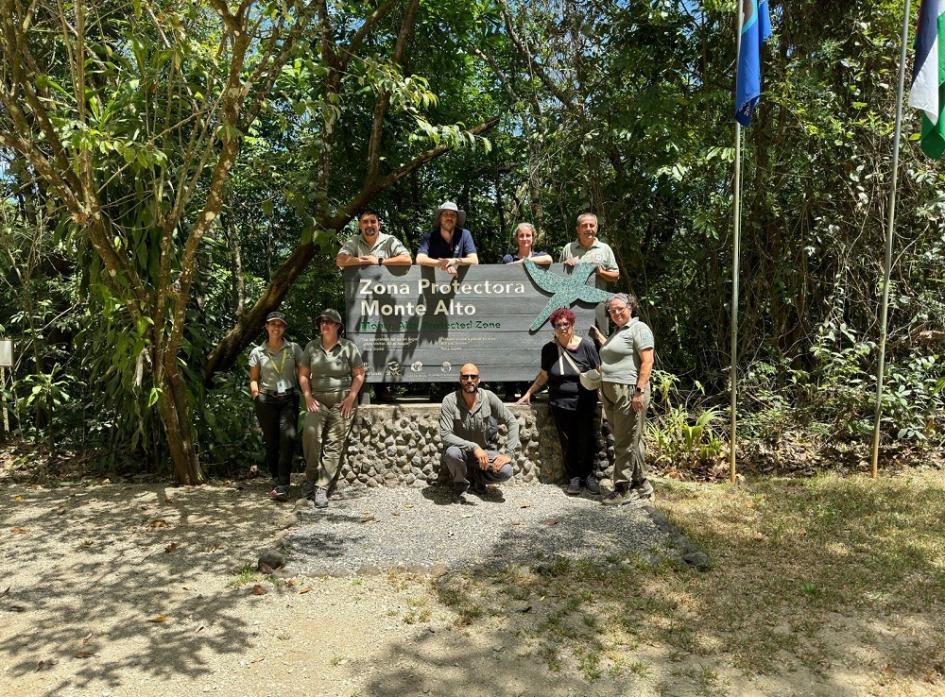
(890, 226)
(736, 251)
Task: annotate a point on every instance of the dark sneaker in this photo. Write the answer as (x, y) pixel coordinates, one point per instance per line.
(308, 489)
(279, 493)
(458, 492)
(619, 496)
(321, 497)
(641, 490)
(574, 487)
(592, 485)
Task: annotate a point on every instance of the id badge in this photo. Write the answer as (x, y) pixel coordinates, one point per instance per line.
(282, 387)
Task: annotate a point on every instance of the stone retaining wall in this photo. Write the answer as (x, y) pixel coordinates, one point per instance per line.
(399, 445)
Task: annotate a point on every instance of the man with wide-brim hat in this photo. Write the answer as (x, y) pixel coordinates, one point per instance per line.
(448, 245)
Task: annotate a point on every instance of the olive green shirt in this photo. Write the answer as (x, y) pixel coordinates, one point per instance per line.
(276, 365)
(331, 370)
(598, 253)
(469, 429)
(386, 247)
(620, 354)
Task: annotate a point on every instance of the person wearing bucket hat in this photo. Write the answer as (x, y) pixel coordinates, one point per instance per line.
(587, 249)
(574, 407)
(273, 383)
(331, 374)
(372, 247)
(448, 245)
(626, 364)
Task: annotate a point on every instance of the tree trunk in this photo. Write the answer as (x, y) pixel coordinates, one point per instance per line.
(177, 426)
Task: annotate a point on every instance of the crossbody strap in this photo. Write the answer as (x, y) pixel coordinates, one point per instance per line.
(564, 354)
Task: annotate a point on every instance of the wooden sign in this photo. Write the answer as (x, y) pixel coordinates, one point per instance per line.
(419, 324)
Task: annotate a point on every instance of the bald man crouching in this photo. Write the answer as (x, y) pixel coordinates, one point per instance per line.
(469, 428)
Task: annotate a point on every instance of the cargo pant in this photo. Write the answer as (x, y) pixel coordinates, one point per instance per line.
(627, 427)
(324, 433)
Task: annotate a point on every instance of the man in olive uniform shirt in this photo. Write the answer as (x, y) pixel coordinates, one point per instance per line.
(590, 250)
(372, 247)
(469, 430)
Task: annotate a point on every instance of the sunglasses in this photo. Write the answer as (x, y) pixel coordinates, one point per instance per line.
(468, 377)
(562, 325)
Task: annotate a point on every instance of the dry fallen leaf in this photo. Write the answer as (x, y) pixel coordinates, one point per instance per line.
(158, 524)
(45, 665)
(259, 590)
(158, 618)
(84, 654)
(17, 498)
(18, 531)
(525, 505)
(290, 582)
(550, 521)
(171, 547)
(305, 590)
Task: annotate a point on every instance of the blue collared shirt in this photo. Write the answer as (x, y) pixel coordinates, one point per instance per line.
(434, 246)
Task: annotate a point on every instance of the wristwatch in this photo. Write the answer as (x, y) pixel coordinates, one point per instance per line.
(637, 389)
(380, 261)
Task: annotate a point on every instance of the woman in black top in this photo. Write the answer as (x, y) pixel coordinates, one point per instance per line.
(562, 361)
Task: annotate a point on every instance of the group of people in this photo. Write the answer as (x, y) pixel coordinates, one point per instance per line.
(329, 374)
(448, 245)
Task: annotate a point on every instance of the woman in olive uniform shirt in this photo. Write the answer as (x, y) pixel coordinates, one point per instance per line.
(272, 382)
(331, 374)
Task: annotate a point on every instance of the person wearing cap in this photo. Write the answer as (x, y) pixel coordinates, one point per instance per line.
(587, 249)
(272, 383)
(331, 374)
(524, 238)
(448, 245)
(626, 363)
(372, 247)
(469, 419)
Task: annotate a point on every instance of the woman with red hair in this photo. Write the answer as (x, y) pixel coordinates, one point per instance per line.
(573, 407)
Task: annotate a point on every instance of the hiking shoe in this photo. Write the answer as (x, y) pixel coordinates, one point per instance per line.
(279, 493)
(458, 491)
(592, 485)
(619, 496)
(308, 489)
(641, 490)
(574, 487)
(321, 497)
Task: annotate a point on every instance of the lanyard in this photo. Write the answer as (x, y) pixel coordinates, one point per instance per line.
(280, 366)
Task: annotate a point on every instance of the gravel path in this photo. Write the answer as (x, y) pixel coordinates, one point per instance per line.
(378, 529)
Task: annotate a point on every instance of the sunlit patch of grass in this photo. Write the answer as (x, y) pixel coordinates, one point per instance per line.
(790, 557)
(247, 574)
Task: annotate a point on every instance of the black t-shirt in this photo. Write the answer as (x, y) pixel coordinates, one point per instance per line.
(564, 385)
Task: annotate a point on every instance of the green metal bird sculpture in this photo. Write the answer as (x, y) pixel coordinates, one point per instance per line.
(566, 290)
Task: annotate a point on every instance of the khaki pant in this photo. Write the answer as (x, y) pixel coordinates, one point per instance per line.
(627, 427)
(323, 438)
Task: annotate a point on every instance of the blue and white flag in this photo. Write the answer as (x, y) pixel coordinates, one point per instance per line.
(928, 76)
(756, 28)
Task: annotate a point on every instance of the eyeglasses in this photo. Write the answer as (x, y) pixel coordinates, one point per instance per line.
(562, 325)
(615, 310)
(468, 377)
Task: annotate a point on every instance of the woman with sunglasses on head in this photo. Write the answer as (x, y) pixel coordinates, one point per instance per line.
(573, 407)
(524, 238)
(272, 383)
(331, 375)
(626, 365)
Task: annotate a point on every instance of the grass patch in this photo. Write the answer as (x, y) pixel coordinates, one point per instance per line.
(805, 573)
(246, 575)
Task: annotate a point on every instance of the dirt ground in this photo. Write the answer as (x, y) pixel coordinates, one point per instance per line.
(139, 589)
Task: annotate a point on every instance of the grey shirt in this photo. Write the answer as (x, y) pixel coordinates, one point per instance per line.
(331, 370)
(469, 429)
(598, 253)
(385, 247)
(276, 365)
(620, 354)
